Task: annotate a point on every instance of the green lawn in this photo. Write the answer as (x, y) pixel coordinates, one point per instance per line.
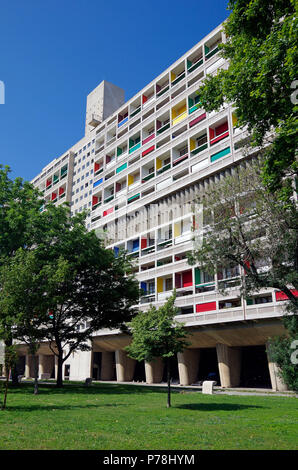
(121, 417)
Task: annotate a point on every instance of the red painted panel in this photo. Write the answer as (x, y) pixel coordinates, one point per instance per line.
(49, 182)
(198, 119)
(108, 211)
(143, 243)
(150, 149)
(217, 139)
(206, 307)
(187, 279)
(222, 128)
(61, 191)
(54, 195)
(144, 99)
(96, 167)
(94, 200)
(148, 139)
(281, 296)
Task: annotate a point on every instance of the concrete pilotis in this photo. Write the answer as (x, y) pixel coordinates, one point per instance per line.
(125, 366)
(188, 366)
(229, 365)
(27, 366)
(276, 381)
(154, 371)
(107, 372)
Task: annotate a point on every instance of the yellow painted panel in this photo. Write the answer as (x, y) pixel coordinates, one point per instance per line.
(159, 284)
(192, 144)
(179, 119)
(158, 163)
(130, 179)
(173, 76)
(177, 229)
(182, 109)
(174, 113)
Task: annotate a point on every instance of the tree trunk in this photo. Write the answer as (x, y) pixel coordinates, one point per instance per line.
(6, 390)
(59, 382)
(35, 358)
(169, 383)
(14, 375)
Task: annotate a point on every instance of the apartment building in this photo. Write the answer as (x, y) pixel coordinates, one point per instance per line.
(138, 169)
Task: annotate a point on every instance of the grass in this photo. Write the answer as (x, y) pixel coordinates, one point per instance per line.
(117, 417)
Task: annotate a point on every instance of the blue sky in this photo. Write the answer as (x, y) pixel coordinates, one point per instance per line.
(53, 53)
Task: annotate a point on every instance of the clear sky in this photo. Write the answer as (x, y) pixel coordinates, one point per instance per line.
(54, 52)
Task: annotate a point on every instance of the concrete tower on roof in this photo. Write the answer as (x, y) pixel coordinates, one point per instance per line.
(101, 103)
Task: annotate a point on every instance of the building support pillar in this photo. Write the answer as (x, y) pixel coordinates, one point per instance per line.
(27, 366)
(188, 366)
(277, 383)
(229, 365)
(154, 371)
(56, 367)
(107, 359)
(41, 365)
(125, 366)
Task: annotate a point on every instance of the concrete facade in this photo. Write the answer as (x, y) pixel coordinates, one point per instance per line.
(138, 170)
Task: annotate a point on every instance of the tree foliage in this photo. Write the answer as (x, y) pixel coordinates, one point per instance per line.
(249, 226)
(156, 334)
(67, 286)
(262, 49)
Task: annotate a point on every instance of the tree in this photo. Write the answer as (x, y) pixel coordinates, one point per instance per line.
(75, 286)
(155, 333)
(19, 208)
(261, 48)
(23, 300)
(249, 226)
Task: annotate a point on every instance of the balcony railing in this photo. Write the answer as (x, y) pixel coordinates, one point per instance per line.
(122, 122)
(148, 177)
(179, 118)
(135, 147)
(162, 90)
(177, 79)
(218, 138)
(211, 53)
(164, 168)
(199, 149)
(163, 128)
(195, 65)
(109, 198)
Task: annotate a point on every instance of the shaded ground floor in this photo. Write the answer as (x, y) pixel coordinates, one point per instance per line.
(233, 355)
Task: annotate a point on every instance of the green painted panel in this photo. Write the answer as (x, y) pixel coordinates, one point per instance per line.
(121, 168)
(197, 276)
(220, 154)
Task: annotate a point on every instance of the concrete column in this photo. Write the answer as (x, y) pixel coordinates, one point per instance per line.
(107, 359)
(276, 381)
(154, 371)
(125, 366)
(188, 366)
(56, 367)
(27, 366)
(229, 365)
(41, 365)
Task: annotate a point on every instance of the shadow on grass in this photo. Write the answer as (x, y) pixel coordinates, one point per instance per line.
(55, 407)
(216, 407)
(94, 389)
